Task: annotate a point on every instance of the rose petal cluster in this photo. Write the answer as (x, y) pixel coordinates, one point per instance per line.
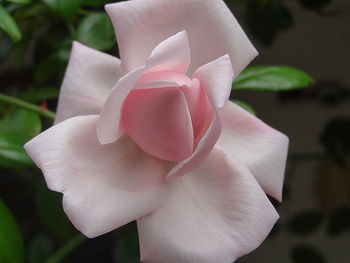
(153, 137)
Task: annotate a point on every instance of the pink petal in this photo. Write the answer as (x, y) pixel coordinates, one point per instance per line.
(261, 148)
(198, 105)
(171, 54)
(168, 77)
(212, 30)
(108, 127)
(201, 152)
(214, 215)
(216, 78)
(158, 120)
(89, 78)
(104, 186)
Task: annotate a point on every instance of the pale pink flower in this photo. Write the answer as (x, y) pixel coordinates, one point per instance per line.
(152, 137)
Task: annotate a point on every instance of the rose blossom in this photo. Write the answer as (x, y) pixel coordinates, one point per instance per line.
(152, 137)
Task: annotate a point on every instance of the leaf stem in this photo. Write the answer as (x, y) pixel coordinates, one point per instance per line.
(66, 249)
(28, 106)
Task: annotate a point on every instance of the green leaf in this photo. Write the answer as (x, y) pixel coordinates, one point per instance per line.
(306, 254)
(51, 69)
(12, 152)
(66, 8)
(51, 214)
(245, 106)
(305, 222)
(15, 130)
(11, 244)
(5, 44)
(127, 249)
(21, 122)
(96, 2)
(40, 248)
(8, 24)
(39, 94)
(339, 222)
(272, 78)
(20, 1)
(96, 31)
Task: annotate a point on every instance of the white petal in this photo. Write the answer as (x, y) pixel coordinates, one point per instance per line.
(216, 78)
(89, 78)
(261, 148)
(109, 128)
(212, 30)
(214, 215)
(104, 186)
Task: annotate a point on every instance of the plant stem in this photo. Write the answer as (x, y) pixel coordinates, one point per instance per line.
(66, 249)
(28, 106)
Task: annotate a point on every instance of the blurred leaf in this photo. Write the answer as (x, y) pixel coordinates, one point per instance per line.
(22, 122)
(305, 222)
(96, 31)
(66, 8)
(245, 106)
(11, 245)
(266, 19)
(339, 222)
(50, 69)
(51, 214)
(272, 78)
(127, 249)
(96, 2)
(20, 1)
(39, 94)
(335, 138)
(8, 24)
(12, 152)
(5, 45)
(314, 4)
(306, 254)
(40, 249)
(15, 130)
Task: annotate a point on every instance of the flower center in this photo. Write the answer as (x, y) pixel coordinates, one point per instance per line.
(166, 114)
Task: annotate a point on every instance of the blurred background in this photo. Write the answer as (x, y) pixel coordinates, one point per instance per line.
(312, 35)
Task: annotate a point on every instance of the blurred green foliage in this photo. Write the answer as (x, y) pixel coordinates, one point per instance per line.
(16, 128)
(11, 245)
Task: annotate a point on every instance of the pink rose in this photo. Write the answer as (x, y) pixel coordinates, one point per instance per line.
(152, 137)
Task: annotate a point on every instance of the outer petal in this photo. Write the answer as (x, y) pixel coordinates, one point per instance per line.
(212, 30)
(104, 186)
(261, 148)
(168, 55)
(216, 78)
(214, 215)
(89, 78)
